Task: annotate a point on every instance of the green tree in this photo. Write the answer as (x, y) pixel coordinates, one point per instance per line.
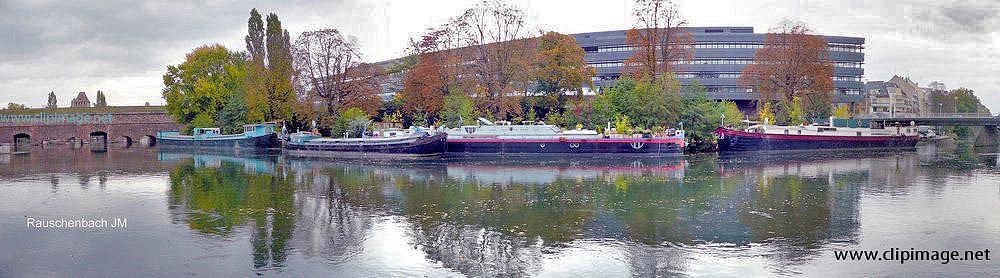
(795, 113)
(197, 89)
(817, 106)
(52, 101)
(702, 115)
(647, 102)
(351, 122)
(101, 101)
(270, 94)
(16, 106)
(458, 110)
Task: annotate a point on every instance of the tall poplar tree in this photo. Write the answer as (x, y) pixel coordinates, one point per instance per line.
(101, 101)
(270, 94)
(52, 100)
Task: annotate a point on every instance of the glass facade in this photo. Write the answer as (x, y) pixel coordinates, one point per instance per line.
(720, 55)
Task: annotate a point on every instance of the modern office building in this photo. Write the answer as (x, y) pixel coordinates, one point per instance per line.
(720, 55)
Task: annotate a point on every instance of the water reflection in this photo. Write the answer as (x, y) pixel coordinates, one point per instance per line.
(215, 194)
(485, 218)
(756, 215)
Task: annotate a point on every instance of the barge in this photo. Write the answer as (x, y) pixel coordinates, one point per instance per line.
(764, 137)
(488, 138)
(255, 136)
(413, 143)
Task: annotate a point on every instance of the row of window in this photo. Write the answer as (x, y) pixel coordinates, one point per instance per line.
(735, 75)
(847, 78)
(708, 75)
(727, 45)
(718, 62)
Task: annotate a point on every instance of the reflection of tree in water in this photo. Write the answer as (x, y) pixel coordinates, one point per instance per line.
(335, 210)
(215, 200)
(493, 230)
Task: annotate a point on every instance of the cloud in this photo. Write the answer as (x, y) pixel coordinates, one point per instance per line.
(123, 47)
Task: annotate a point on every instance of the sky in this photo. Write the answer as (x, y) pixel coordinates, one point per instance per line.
(123, 47)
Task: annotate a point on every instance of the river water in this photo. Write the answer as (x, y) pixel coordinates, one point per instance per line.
(223, 215)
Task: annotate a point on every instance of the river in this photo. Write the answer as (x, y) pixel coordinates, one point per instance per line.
(755, 215)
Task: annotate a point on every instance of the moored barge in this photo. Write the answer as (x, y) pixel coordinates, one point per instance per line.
(414, 143)
(535, 139)
(764, 137)
(255, 136)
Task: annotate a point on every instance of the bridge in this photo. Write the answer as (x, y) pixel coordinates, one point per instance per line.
(946, 119)
(77, 126)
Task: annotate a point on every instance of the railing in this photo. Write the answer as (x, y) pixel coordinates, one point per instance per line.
(936, 115)
(957, 115)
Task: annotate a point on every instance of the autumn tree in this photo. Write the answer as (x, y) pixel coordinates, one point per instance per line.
(560, 69)
(792, 63)
(659, 39)
(500, 50)
(436, 72)
(270, 94)
(331, 70)
(52, 101)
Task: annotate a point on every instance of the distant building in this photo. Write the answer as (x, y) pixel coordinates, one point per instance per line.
(81, 100)
(886, 99)
(917, 95)
(720, 54)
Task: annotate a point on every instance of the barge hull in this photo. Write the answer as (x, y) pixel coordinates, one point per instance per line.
(269, 141)
(738, 141)
(543, 147)
(424, 147)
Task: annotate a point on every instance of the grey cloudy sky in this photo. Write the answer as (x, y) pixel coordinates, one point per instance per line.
(123, 47)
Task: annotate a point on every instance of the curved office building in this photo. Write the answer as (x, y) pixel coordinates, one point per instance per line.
(720, 55)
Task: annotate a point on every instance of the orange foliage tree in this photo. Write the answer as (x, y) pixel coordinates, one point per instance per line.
(791, 63)
(330, 68)
(659, 40)
(436, 72)
(560, 68)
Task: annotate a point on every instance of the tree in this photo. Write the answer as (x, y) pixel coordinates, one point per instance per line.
(16, 106)
(795, 113)
(560, 68)
(817, 105)
(197, 89)
(425, 86)
(648, 103)
(52, 101)
(791, 63)
(658, 38)
(101, 101)
(270, 92)
(842, 112)
(350, 123)
(436, 71)
(330, 68)
(458, 110)
(280, 92)
(498, 38)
